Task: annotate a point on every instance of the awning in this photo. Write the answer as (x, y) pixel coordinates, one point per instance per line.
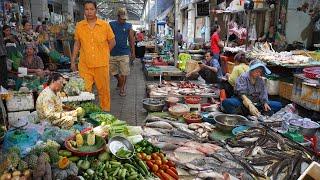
(162, 16)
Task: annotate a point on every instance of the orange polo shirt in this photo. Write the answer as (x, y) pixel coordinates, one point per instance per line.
(94, 51)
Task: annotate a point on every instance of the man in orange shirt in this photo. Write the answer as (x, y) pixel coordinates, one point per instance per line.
(94, 39)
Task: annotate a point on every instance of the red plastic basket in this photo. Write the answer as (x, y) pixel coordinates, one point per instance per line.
(192, 99)
(311, 72)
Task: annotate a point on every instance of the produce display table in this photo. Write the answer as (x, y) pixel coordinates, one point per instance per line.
(83, 96)
(165, 72)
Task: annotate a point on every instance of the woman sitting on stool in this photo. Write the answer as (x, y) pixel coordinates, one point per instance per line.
(239, 68)
(252, 95)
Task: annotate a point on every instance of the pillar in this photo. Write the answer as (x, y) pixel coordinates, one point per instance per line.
(191, 22)
(39, 8)
(208, 25)
(67, 9)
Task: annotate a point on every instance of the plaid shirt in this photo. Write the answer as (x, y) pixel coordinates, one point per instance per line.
(257, 92)
(3, 51)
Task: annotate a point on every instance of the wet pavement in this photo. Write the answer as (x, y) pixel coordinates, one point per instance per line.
(129, 108)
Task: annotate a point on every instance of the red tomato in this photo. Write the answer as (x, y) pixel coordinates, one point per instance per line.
(143, 155)
(155, 168)
(154, 156)
(158, 162)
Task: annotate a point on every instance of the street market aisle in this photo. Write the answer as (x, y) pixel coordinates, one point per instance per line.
(129, 108)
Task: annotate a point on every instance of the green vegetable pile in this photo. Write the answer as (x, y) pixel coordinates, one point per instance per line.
(74, 86)
(146, 147)
(103, 118)
(108, 166)
(123, 153)
(115, 126)
(90, 107)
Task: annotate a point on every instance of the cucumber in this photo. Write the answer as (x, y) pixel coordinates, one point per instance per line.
(115, 163)
(65, 153)
(74, 158)
(123, 174)
(116, 172)
(132, 177)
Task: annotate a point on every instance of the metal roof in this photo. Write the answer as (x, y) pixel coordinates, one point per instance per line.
(108, 8)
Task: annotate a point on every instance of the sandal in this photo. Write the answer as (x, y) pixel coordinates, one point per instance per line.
(122, 94)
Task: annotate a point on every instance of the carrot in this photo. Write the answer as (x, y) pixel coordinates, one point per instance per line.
(174, 170)
(172, 173)
(159, 175)
(166, 176)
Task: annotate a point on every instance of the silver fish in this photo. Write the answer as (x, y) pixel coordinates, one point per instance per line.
(159, 124)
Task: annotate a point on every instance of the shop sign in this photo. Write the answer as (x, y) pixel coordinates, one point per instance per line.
(203, 9)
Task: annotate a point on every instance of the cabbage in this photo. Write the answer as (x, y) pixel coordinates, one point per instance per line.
(74, 86)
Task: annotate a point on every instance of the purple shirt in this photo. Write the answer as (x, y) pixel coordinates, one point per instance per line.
(257, 92)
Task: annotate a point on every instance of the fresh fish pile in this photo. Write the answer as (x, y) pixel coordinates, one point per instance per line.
(189, 147)
(266, 154)
(202, 130)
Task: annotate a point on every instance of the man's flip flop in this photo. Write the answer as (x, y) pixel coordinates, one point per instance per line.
(122, 94)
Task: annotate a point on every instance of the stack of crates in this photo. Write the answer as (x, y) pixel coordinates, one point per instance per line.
(19, 106)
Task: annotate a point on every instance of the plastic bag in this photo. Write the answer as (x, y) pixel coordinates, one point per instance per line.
(55, 56)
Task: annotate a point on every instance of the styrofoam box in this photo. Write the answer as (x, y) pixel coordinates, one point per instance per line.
(20, 102)
(14, 116)
(312, 171)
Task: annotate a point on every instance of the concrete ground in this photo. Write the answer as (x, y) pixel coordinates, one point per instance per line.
(129, 108)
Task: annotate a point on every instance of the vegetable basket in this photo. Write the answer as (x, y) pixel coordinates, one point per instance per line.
(86, 150)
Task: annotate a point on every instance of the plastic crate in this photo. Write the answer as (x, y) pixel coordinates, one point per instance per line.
(285, 90)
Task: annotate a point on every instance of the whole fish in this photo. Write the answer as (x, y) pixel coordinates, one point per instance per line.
(210, 174)
(159, 124)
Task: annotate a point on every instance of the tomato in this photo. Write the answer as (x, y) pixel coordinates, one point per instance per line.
(158, 162)
(147, 158)
(157, 158)
(143, 155)
(155, 168)
(153, 161)
(165, 167)
(164, 161)
(171, 164)
(139, 155)
(154, 156)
